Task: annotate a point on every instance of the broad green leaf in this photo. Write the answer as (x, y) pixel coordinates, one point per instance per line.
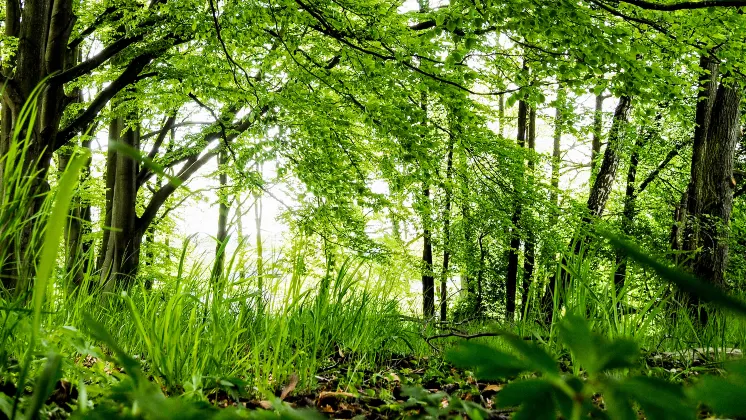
(534, 396)
(685, 281)
(535, 356)
(575, 333)
(620, 353)
(658, 398)
(487, 362)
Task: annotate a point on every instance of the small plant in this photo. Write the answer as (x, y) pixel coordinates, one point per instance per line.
(548, 391)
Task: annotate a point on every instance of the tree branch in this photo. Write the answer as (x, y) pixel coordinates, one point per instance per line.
(167, 126)
(194, 162)
(128, 76)
(89, 30)
(95, 61)
(685, 5)
(654, 174)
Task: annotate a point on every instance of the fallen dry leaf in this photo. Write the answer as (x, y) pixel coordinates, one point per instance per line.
(265, 404)
(290, 386)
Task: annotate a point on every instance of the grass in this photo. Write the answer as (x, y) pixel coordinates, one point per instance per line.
(193, 335)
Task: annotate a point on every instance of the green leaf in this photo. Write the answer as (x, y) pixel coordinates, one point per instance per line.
(536, 357)
(575, 333)
(45, 384)
(487, 362)
(725, 396)
(685, 281)
(617, 403)
(619, 354)
(534, 396)
(659, 399)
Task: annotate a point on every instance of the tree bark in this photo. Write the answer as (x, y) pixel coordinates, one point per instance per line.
(717, 188)
(446, 231)
(122, 258)
(598, 123)
(628, 212)
(511, 277)
(607, 172)
(223, 210)
(428, 280)
(705, 100)
(529, 254)
(557, 154)
(596, 201)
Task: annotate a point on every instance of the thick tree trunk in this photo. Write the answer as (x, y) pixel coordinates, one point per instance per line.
(122, 258)
(717, 188)
(511, 277)
(43, 29)
(705, 101)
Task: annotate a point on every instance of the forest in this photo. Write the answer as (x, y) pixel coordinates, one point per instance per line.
(300, 209)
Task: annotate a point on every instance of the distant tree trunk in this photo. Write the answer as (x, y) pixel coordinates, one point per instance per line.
(223, 210)
(557, 154)
(705, 100)
(446, 231)
(679, 220)
(122, 258)
(428, 280)
(115, 132)
(610, 163)
(480, 275)
(628, 212)
(717, 188)
(598, 124)
(597, 199)
(511, 277)
(530, 246)
(78, 225)
(258, 210)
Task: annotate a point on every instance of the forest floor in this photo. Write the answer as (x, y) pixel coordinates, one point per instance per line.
(402, 387)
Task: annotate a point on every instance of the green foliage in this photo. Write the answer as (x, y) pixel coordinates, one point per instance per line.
(553, 393)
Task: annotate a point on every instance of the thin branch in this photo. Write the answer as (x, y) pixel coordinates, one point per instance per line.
(128, 76)
(92, 63)
(685, 5)
(89, 30)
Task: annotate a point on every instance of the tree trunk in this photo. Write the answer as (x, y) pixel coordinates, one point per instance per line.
(596, 201)
(122, 258)
(703, 115)
(446, 232)
(223, 210)
(598, 124)
(258, 210)
(607, 172)
(529, 254)
(428, 280)
(78, 225)
(717, 188)
(628, 212)
(511, 277)
(557, 154)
